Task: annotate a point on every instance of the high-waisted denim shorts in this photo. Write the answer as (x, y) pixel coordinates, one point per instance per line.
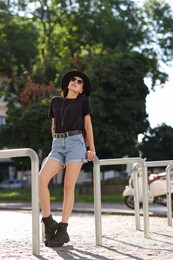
(68, 150)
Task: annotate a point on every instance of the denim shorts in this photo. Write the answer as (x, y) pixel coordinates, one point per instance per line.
(68, 150)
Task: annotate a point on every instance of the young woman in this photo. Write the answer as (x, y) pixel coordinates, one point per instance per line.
(71, 117)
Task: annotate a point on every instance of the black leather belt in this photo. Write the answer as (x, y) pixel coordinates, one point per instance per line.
(66, 134)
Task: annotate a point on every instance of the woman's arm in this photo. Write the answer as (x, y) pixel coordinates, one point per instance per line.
(90, 137)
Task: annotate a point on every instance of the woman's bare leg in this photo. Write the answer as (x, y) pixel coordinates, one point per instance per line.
(47, 172)
(71, 176)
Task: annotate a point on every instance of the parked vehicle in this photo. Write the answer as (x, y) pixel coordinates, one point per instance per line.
(13, 183)
(157, 189)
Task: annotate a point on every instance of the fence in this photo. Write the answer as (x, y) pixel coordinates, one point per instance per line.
(136, 162)
(97, 192)
(165, 163)
(35, 190)
(169, 166)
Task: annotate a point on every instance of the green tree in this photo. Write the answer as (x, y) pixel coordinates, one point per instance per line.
(28, 127)
(113, 42)
(119, 112)
(18, 43)
(157, 144)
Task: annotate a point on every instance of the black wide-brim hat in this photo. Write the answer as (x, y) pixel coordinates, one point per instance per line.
(67, 76)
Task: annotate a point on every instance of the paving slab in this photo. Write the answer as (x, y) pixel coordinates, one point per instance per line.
(120, 238)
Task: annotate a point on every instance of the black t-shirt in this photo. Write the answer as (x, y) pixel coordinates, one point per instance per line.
(69, 113)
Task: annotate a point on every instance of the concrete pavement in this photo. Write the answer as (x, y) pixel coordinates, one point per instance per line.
(120, 238)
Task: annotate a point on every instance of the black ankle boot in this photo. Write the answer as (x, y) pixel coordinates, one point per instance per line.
(50, 228)
(61, 236)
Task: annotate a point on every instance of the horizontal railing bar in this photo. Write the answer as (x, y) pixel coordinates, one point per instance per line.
(23, 152)
(121, 161)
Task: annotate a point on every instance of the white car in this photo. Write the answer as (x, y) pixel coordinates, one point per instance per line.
(14, 183)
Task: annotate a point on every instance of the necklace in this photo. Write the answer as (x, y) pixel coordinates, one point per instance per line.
(63, 115)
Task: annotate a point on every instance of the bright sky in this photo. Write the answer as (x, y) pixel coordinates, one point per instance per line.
(159, 104)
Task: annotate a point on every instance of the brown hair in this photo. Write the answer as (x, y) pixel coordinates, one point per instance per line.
(64, 92)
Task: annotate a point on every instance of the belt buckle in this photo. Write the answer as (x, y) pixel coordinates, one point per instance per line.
(62, 135)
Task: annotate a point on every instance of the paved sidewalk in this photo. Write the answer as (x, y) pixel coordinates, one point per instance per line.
(120, 238)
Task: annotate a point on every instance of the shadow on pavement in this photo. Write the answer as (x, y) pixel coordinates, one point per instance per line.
(70, 252)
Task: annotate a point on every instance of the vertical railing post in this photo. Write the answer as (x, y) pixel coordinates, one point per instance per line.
(97, 201)
(145, 201)
(97, 191)
(22, 152)
(169, 199)
(169, 164)
(35, 204)
(136, 195)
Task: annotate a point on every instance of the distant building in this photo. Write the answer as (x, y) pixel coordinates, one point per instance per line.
(3, 105)
(7, 169)
(6, 165)
(3, 112)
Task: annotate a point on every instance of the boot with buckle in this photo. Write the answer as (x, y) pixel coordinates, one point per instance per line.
(61, 236)
(51, 227)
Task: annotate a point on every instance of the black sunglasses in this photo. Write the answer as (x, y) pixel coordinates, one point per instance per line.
(79, 81)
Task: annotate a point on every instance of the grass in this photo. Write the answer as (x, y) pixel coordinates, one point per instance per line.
(24, 194)
(12, 195)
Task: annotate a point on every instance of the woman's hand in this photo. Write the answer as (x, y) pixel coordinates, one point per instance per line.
(91, 155)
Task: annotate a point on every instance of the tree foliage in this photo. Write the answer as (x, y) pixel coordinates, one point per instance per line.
(28, 127)
(158, 143)
(33, 92)
(118, 114)
(18, 44)
(116, 42)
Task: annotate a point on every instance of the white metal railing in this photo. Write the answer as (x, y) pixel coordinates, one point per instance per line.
(169, 194)
(23, 152)
(136, 195)
(169, 165)
(97, 192)
(136, 163)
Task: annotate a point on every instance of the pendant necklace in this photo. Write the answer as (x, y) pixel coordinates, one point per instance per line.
(63, 115)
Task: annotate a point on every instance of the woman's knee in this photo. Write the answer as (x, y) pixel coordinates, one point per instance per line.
(43, 182)
(68, 189)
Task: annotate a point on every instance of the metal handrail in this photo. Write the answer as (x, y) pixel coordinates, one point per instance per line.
(169, 165)
(23, 152)
(97, 192)
(136, 195)
(168, 183)
(169, 195)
